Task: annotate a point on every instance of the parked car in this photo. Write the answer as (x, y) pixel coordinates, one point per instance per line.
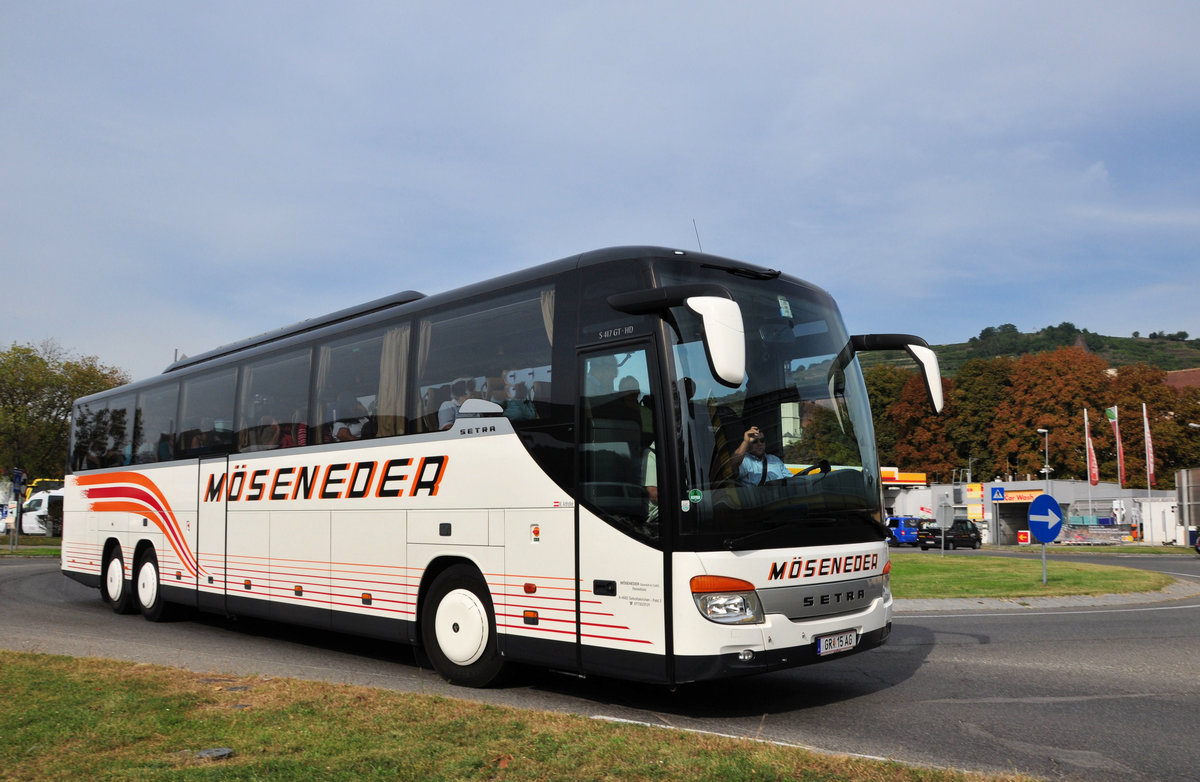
(902, 530)
(962, 533)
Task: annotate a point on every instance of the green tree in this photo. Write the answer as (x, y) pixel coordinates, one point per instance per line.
(1003, 340)
(38, 384)
(980, 387)
(884, 384)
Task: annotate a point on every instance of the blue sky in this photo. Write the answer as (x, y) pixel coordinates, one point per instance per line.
(178, 176)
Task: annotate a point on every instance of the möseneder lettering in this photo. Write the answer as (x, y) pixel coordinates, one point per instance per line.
(339, 481)
(798, 567)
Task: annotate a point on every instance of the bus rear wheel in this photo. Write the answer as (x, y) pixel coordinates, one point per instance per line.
(146, 588)
(114, 589)
(458, 628)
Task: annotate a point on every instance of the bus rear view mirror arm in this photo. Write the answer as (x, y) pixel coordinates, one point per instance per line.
(916, 347)
(724, 334)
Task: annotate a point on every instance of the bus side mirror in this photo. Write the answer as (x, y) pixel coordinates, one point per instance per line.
(724, 337)
(915, 346)
(928, 362)
(720, 315)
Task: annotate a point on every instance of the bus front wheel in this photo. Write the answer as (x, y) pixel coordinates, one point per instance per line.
(458, 628)
(114, 588)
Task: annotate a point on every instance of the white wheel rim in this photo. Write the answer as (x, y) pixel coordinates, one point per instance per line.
(147, 584)
(461, 627)
(114, 579)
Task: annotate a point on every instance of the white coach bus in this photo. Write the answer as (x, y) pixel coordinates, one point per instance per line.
(555, 467)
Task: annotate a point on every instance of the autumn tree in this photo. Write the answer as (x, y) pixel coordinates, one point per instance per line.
(1047, 391)
(923, 443)
(38, 385)
(1133, 386)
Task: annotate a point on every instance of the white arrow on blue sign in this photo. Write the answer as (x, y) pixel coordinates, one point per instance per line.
(1045, 518)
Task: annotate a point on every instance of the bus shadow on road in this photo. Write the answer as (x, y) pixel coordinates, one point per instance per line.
(794, 689)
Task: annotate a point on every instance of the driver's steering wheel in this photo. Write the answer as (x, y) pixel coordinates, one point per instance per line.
(821, 465)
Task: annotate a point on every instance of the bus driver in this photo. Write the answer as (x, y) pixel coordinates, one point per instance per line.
(753, 464)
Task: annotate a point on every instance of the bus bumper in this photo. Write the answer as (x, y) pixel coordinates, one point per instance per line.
(746, 662)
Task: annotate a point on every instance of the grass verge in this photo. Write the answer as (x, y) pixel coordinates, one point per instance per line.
(926, 575)
(31, 546)
(1128, 548)
(69, 718)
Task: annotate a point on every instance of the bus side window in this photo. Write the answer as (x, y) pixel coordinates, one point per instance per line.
(273, 402)
(206, 414)
(89, 431)
(499, 350)
(114, 443)
(360, 386)
(155, 424)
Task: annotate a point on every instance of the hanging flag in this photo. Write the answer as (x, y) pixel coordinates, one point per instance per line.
(1111, 414)
(1149, 448)
(1093, 469)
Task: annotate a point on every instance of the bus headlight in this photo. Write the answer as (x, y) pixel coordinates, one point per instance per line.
(725, 600)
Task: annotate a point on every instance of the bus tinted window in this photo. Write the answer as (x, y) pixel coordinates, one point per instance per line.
(360, 385)
(114, 445)
(273, 409)
(155, 424)
(84, 433)
(206, 414)
(102, 434)
(498, 350)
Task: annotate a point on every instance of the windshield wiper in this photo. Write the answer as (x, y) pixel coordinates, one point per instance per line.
(744, 271)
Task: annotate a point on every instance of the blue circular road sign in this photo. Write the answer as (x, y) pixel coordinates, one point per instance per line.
(1045, 518)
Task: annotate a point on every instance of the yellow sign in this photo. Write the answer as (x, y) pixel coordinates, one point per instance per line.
(974, 491)
(975, 512)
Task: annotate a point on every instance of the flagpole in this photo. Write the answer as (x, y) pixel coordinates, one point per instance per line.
(1111, 414)
(1089, 456)
(1149, 471)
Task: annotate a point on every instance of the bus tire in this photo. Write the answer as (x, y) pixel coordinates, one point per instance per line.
(114, 588)
(147, 588)
(458, 628)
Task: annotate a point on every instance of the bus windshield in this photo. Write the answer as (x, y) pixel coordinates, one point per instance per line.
(788, 457)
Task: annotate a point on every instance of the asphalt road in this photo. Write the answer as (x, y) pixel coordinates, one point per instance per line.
(1080, 692)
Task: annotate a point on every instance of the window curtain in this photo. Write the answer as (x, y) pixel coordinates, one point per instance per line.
(317, 417)
(548, 314)
(390, 405)
(245, 437)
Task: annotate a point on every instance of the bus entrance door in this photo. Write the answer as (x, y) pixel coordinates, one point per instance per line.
(622, 587)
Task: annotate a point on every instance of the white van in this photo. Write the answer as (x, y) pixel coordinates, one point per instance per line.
(43, 514)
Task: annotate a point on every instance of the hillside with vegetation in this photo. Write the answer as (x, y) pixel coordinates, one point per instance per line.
(1157, 349)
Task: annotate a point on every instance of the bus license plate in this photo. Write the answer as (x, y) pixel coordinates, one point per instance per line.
(839, 642)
